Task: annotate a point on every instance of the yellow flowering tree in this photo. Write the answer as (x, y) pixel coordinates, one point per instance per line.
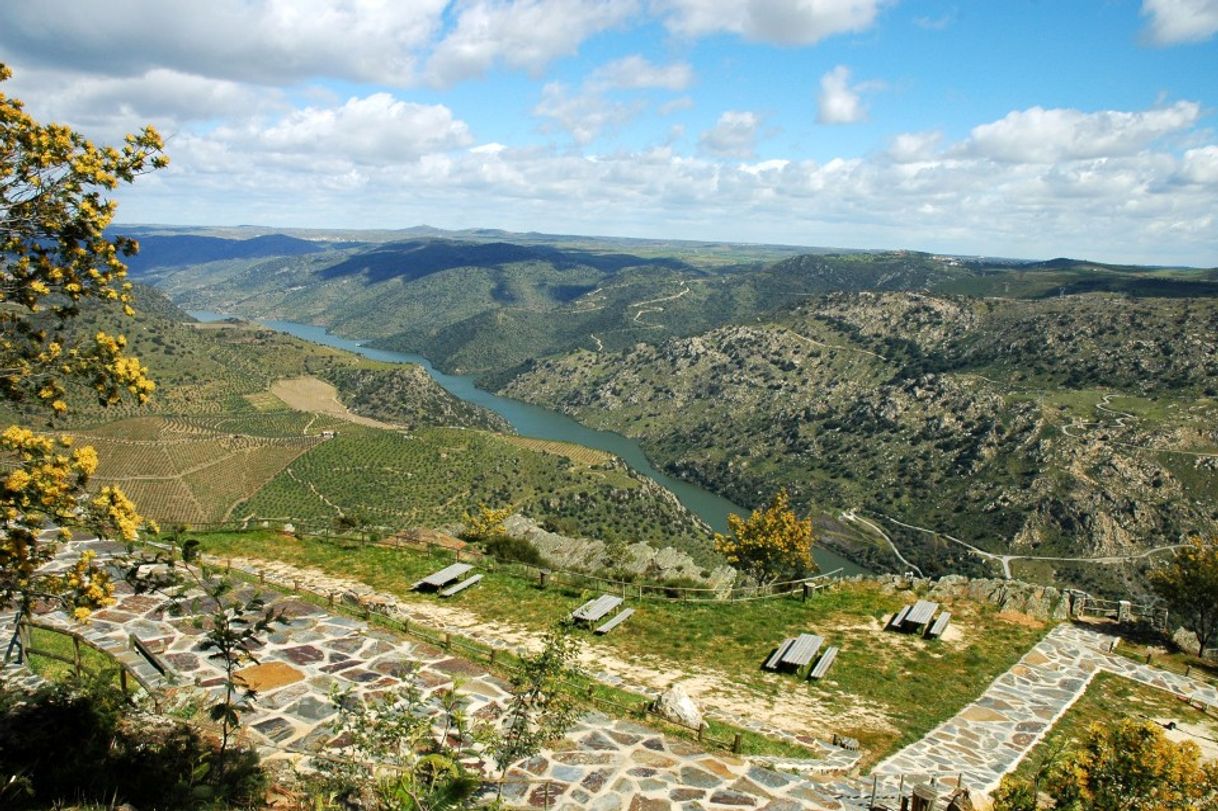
(1127, 766)
(54, 255)
(771, 544)
(486, 524)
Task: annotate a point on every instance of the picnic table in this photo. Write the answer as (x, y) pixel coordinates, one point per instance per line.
(922, 613)
(795, 652)
(442, 578)
(596, 608)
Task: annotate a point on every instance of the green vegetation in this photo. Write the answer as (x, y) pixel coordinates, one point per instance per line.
(435, 476)
(885, 689)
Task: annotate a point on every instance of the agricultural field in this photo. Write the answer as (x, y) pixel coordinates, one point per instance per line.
(181, 471)
(434, 476)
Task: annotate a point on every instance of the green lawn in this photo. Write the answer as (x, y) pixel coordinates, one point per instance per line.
(909, 683)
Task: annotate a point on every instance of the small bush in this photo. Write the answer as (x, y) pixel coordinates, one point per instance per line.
(72, 744)
(503, 547)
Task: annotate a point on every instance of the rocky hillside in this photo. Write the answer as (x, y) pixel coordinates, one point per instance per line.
(894, 403)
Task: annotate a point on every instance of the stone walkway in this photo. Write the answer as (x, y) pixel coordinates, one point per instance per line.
(603, 763)
(989, 737)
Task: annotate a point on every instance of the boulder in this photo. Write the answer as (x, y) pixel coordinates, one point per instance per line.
(676, 706)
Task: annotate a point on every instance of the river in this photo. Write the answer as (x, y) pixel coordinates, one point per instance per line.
(543, 423)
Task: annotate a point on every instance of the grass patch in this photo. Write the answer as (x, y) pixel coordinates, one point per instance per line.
(92, 661)
(891, 688)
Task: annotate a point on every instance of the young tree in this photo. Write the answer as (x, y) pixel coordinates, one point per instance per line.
(1189, 586)
(773, 543)
(54, 255)
(486, 524)
(539, 710)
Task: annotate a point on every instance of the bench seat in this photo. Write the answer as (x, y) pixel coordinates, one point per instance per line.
(826, 661)
(940, 625)
(616, 621)
(462, 586)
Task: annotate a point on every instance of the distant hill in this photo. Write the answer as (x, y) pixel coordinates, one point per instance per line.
(174, 251)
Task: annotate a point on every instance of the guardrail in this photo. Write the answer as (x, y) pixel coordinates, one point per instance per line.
(126, 674)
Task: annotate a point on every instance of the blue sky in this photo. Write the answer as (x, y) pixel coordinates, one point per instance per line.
(1017, 128)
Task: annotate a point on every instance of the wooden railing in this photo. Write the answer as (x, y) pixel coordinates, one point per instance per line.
(126, 675)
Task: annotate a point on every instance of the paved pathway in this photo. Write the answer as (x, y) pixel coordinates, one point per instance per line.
(990, 736)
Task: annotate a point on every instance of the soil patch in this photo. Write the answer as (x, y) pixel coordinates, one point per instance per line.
(261, 678)
(308, 393)
(1018, 618)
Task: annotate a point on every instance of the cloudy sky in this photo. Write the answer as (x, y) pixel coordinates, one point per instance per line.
(1033, 128)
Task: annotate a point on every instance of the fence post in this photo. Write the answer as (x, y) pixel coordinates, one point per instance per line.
(76, 653)
(122, 680)
(875, 784)
(494, 653)
(701, 731)
(737, 743)
(448, 640)
(807, 589)
(541, 575)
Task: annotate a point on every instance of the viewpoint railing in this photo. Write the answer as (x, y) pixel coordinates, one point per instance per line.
(128, 678)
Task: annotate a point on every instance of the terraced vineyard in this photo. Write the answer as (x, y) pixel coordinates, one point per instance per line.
(433, 476)
(184, 471)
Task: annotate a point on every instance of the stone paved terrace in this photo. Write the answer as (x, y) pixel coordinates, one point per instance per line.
(606, 763)
(603, 763)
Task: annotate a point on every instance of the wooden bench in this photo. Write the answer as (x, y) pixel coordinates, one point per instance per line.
(596, 608)
(142, 648)
(826, 661)
(616, 621)
(936, 630)
(460, 587)
(772, 662)
(898, 618)
(442, 578)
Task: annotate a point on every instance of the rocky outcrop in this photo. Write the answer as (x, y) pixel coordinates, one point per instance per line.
(1041, 602)
(597, 557)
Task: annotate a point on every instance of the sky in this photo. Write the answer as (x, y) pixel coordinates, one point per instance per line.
(1019, 128)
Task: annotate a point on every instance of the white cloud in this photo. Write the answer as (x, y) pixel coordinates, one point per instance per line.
(1176, 21)
(634, 72)
(734, 135)
(1148, 205)
(839, 102)
(525, 34)
(262, 41)
(1200, 166)
(375, 130)
(913, 147)
(676, 105)
(1037, 135)
(583, 115)
(784, 22)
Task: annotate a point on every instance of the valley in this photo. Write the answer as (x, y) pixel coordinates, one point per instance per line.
(968, 406)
